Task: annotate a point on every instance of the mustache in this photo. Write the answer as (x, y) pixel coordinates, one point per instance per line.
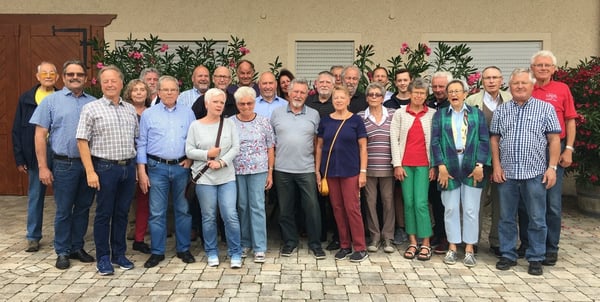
(75, 80)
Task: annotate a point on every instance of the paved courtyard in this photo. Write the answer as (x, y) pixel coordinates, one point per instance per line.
(383, 277)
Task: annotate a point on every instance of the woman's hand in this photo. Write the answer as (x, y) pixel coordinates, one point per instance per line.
(362, 179)
(443, 176)
(214, 164)
(399, 173)
(214, 152)
(477, 175)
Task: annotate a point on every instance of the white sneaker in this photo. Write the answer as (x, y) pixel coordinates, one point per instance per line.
(236, 262)
(213, 261)
(259, 257)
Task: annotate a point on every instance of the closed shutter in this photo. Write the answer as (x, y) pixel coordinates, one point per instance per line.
(313, 57)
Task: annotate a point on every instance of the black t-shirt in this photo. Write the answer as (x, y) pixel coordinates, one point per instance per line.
(230, 109)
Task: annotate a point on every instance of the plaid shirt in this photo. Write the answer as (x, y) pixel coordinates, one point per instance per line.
(523, 137)
(109, 129)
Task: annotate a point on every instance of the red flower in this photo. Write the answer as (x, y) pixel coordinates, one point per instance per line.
(164, 48)
(427, 50)
(404, 48)
(244, 50)
(93, 81)
(594, 178)
(99, 65)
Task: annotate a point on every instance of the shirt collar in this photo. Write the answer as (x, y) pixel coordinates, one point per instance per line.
(302, 111)
(383, 111)
(464, 107)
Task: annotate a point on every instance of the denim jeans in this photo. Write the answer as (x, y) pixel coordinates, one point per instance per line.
(165, 179)
(288, 185)
(73, 199)
(222, 198)
(554, 209)
(35, 205)
(532, 192)
(117, 188)
(251, 205)
(468, 199)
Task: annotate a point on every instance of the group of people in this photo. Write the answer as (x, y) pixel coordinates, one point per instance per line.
(408, 152)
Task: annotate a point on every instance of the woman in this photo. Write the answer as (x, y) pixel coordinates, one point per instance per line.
(346, 172)
(254, 172)
(138, 94)
(460, 149)
(380, 171)
(283, 82)
(410, 138)
(216, 188)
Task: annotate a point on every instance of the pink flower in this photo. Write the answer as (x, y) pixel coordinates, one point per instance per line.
(473, 78)
(180, 82)
(312, 92)
(94, 81)
(370, 76)
(244, 50)
(404, 48)
(164, 48)
(231, 63)
(99, 65)
(427, 50)
(137, 55)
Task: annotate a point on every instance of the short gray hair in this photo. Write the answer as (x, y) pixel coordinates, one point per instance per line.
(523, 70)
(545, 54)
(243, 92)
(298, 81)
(443, 74)
(377, 86)
(213, 92)
(148, 70)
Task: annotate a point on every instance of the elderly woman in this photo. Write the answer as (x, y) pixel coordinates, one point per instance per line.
(380, 171)
(254, 172)
(284, 79)
(410, 135)
(138, 94)
(216, 188)
(460, 149)
(341, 152)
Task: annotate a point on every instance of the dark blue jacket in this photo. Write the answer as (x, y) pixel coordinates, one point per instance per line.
(23, 132)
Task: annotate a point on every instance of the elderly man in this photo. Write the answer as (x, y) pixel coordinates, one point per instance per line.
(268, 100)
(56, 121)
(163, 168)
(487, 100)
(221, 78)
(336, 71)
(201, 82)
(105, 138)
(295, 127)
(23, 134)
(402, 78)
(380, 76)
(245, 74)
(150, 76)
(522, 132)
(350, 79)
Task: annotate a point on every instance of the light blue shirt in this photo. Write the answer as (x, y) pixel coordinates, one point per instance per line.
(59, 113)
(163, 132)
(265, 108)
(458, 121)
(189, 97)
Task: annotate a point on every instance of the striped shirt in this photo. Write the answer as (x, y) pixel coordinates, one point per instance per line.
(523, 141)
(379, 163)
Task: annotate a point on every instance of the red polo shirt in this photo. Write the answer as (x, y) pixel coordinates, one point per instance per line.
(559, 95)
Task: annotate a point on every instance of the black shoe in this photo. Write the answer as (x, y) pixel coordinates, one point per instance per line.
(154, 260)
(505, 263)
(342, 254)
(82, 256)
(141, 246)
(535, 268)
(194, 235)
(521, 251)
(186, 257)
(496, 251)
(318, 253)
(551, 259)
(62, 262)
(442, 247)
(475, 249)
(333, 245)
(286, 250)
(359, 256)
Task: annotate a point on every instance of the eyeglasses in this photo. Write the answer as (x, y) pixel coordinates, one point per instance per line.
(455, 92)
(166, 90)
(75, 74)
(246, 104)
(491, 78)
(374, 95)
(221, 76)
(543, 65)
(45, 74)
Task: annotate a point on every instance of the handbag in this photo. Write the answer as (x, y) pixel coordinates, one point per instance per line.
(324, 185)
(190, 188)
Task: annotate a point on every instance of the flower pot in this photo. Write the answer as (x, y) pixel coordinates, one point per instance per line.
(588, 199)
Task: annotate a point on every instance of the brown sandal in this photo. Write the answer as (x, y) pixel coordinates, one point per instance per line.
(424, 256)
(410, 251)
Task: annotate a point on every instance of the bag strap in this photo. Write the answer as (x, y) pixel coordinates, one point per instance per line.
(205, 168)
(331, 147)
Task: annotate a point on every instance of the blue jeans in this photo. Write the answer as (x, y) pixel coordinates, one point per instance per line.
(251, 205)
(35, 205)
(73, 199)
(165, 179)
(117, 188)
(223, 197)
(532, 192)
(468, 198)
(554, 209)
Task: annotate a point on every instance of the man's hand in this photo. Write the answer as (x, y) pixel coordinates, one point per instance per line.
(566, 158)
(93, 180)
(549, 178)
(46, 176)
(22, 168)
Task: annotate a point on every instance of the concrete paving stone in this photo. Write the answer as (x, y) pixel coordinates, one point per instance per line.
(234, 279)
(400, 297)
(211, 275)
(288, 286)
(52, 288)
(418, 284)
(575, 296)
(249, 288)
(269, 298)
(204, 284)
(485, 293)
(267, 278)
(311, 286)
(373, 289)
(347, 280)
(291, 278)
(352, 288)
(77, 288)
(422, 292)
(335, 297)
(22, 297)
(397, 289)
(208, 293)
(371, 278)
(359, 297)
(296, 294)
(439, 292)
(334, 289)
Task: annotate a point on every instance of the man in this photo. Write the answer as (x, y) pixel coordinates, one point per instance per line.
(402, 79)
(163, 169)
(543, 64)
(56, 120)
(336, 71)
(150, 76)
(105, 138)
(522, 131)
(245, 73)
(24, 150)
(439, 99)
(380, 76)
(201, 82)
(268, 100)
(295, 127)
(350, 79)
(487, 100)
(221, 78)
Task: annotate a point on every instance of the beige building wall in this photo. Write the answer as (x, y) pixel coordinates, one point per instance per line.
(571, 29)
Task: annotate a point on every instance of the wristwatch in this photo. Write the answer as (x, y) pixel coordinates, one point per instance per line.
(480, 165)
(553, 167)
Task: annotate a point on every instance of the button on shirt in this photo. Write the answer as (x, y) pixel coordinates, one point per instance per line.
(265, 108)
(59, 113)
(188, 97)
(163, 132)
(110, 129)
(523, 141)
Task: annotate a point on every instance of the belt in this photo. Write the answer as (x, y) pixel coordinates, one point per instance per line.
(167, 161)
(122, 162)
(460, 151)
(65, 158)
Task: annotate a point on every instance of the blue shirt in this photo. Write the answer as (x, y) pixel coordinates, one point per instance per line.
(265, 108)
(523, 141)
(345, 155)
(163, 132)
(59, 113)
(188, 97)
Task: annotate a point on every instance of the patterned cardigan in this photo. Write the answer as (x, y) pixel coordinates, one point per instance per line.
(477, 146)
(401, 123)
